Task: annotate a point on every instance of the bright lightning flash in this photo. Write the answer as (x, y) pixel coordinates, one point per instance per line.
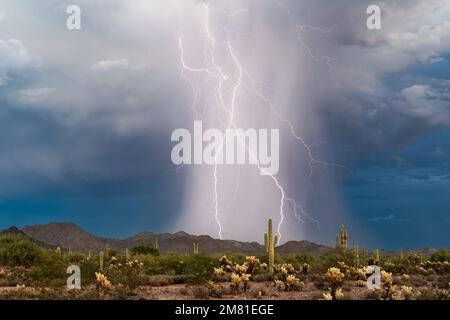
(224, 84)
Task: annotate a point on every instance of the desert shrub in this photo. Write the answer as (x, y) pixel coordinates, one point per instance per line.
(238, 258)
(373, 295)
(184, 291)
(146, 249)
(258, 293)
(159, 280)
(263, 277)
(50, 273)
(418, 281)
(440, 256)
(201, 292)
(115, 253)
(74, 257)
(433, 294)
(152, 264)
(200, 268)
(88, 268)
(129, 274)
(297, 260)
(18, 251)
(174, 263)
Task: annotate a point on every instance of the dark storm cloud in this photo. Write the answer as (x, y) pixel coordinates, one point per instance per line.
(91, 112)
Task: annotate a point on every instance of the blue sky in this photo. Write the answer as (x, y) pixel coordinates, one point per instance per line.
(86, 118)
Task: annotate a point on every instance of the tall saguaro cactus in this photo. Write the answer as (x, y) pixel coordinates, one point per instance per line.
(101, 260)
(195, 248)
(270, 242)
(338, 244)
(344, 239)
(356, 253)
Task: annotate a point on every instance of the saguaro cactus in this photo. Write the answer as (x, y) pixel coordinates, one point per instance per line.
(356, 252)
(377, 255)
(127, 255)
(338, 246)
(106, 251)
(156, 244)
(270, 242)
(58, 253)
(101, 260)
(344, 239)
(195, 247)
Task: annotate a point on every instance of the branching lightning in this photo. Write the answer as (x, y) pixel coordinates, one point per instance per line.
(223, 84)
(300, 30)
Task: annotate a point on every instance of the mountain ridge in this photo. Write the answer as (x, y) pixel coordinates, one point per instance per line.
(69, 235)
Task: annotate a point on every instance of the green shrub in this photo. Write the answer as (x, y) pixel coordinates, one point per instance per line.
(146, 249)
(18, 251)
(74, 257)
(440, 256)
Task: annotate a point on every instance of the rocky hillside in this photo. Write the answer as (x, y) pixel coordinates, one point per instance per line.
(68, 235)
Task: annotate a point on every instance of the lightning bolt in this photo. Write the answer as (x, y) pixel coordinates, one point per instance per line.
(225, 84)
(300, 29)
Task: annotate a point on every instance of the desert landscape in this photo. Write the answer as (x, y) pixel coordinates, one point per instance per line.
(34, 262)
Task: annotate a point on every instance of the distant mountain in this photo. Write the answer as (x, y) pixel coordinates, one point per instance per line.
(68, 235)
(303, 247)
(17, 232)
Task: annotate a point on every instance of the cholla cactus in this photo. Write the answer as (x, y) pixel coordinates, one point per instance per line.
(339, 294)
(278, 284)
(102, 282)
(270, 242)
(305, 268)
(361, 283)
(407, 292)
(405, 278)
(245, 278)
(284, 271)
(240, 269)
(252, 262)
(335, 277)
(224, 261)
(388, 289)
(219, 272)
(293, 283)
(327, 296)
(101, 260)
(235, 281)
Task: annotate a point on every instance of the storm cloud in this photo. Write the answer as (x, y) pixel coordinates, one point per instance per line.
(87, 115)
